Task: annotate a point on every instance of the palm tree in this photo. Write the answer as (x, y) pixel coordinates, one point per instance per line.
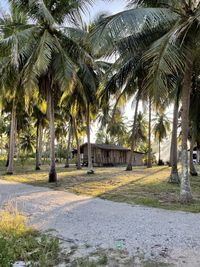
(54, 54)
(173, 54)
(68, 145)
(126, 75)
(133, 134)
(141, 129)
(174, 177)
(14, 32)
(193, 171)
(3, 127)
(149, 159)
(175, 97)
(161, 127)
(194, 115)
(27, 143)
(39, 113)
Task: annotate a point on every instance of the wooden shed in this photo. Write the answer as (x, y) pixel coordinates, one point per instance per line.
(110, 155)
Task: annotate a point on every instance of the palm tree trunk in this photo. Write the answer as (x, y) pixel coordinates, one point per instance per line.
(7, 159)
(1, 144)
(37, 163)
(198, 153)
(193, 171)
(78, 145)
(149, 161)
(171, 152)
(68, 148)
(50, 101)
(159, 153)
(12, 139)
(174, 177)
(185, 192)
(130, 160)
(90, 167)
(40, 143)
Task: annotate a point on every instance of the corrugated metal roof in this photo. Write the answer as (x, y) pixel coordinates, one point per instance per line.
(111, 147)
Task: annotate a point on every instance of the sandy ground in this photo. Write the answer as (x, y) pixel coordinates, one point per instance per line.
(172, 237)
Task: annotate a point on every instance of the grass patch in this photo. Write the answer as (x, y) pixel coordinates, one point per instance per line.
(101, 260)
(21, 243)
(142, 186)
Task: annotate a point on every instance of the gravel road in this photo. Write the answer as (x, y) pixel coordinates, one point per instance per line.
(155, 233)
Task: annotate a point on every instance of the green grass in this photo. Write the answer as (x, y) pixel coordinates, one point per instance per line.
(142, 186)
(21, 243)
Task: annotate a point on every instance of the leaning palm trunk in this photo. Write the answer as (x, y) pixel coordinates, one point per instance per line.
(174, 177)
(50, 101)
(90, 167)
(149, 161)
(78, 145)
(68, 148)
(193, 171)
(37, 153)
(185, 192)
(130, 160)
(12, 139)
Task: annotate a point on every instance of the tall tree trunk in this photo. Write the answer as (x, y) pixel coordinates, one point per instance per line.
(193, 171)
(37, 163)
(159, 163)
(198, 155)
(12, 139)
(130, 160)
(90, 166)
(78, 145)
(68, 148)
(1, 144)
(40, 143)
(185, 192)
(171, 151)
(149, 159)
(174, 177)
(50, 101)
(7, 159)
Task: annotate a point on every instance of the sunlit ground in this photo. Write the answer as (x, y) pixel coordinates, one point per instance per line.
(143, 186)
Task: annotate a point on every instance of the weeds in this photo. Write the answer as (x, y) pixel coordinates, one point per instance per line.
(21, 243)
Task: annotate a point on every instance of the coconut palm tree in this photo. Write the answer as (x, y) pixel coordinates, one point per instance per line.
(39, 114)
(194, 116)
(173, 54)
(149, 158)
(141, 129)
(14, 32)
(68, 145)
(174, 176)
(54, 56)
(161, 128)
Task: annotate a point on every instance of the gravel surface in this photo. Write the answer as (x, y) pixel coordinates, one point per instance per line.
(152, 233)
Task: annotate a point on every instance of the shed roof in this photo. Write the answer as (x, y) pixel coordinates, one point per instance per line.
(110, 147)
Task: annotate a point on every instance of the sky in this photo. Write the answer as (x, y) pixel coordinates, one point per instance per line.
(99, 6)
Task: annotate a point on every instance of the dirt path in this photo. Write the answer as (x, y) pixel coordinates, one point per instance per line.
(153, 233)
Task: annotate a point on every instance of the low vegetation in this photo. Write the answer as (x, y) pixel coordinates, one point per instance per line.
(142, 186)
(18, 242)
